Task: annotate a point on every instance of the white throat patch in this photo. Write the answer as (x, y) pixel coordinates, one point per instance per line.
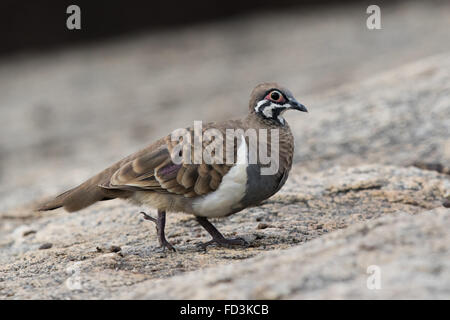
(267, 110)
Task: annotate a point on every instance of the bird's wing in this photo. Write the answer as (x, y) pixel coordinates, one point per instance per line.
(155, 171)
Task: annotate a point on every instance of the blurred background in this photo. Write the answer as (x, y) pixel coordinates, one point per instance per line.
(74, 101)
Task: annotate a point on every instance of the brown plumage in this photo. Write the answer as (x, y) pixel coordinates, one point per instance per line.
(151, 177)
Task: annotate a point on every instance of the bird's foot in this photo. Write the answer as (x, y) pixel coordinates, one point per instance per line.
(224, 242)
(217, 237)
(160, 223)
(166, 244)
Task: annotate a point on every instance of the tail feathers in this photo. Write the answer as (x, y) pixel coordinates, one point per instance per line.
(53, 204)
(75, 199)
(81, 197)
(87, 193)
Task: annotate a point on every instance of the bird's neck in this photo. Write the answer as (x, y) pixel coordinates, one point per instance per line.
(256, 121)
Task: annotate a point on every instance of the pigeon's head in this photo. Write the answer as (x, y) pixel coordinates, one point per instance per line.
(270, 101)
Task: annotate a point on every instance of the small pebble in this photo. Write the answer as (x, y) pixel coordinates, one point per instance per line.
(27, 233)
(45, 246)
(115, 248)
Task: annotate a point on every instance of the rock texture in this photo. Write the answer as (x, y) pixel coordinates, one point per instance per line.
(98, 252)
(353, 200)
(398, 117)
(411, 254)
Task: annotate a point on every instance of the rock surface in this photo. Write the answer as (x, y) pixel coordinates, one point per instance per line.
(410, 253)
(100, 251)
(353, 200)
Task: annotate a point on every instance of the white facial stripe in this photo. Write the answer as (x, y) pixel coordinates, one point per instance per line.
(268, 110)
(259, 104)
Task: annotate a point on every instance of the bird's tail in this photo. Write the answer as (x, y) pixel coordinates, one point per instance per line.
(75, 199)
(55, 203)
(81, 197)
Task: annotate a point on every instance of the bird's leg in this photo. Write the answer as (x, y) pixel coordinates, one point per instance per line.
(217, 237)
(160, 224)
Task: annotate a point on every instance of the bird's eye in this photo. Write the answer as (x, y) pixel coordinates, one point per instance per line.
(275, 96)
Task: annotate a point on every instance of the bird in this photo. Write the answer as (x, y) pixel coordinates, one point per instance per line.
(167, 176)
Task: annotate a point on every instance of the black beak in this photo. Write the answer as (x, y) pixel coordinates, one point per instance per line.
(297, 105)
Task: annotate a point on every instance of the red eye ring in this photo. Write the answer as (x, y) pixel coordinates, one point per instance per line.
(275, 96)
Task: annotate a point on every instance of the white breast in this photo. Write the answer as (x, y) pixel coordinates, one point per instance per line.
(231, 190)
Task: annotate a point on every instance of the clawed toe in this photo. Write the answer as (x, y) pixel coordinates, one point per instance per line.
(167, 245)
(147, 217)
(217, 237)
